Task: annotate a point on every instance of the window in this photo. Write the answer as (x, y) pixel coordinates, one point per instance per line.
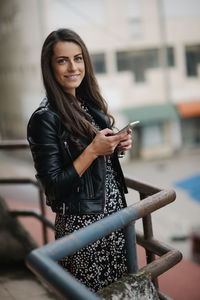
(192, 54)
(99, 63)
(138, 61)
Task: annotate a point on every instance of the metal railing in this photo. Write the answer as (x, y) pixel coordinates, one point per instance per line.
(42, 261)
(7, 145)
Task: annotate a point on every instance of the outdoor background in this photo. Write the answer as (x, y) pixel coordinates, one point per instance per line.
(146, 56)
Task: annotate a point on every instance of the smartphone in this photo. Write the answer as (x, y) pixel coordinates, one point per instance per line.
(129, 126)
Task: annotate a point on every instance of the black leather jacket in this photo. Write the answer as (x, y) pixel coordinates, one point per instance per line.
(65, 190)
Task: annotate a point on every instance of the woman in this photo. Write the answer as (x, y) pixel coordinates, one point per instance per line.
(76, 157)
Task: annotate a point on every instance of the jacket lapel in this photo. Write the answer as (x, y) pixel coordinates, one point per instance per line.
(99, 117)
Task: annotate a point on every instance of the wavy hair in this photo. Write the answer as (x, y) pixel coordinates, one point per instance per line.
(66, 105)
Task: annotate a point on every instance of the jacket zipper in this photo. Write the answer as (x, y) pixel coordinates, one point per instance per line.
(89, 183)
(67, 148)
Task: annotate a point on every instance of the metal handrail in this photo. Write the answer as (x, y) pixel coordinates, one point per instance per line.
(32, 213)
(13, 144)
(43, 261)
(17, 145)
(168, 256)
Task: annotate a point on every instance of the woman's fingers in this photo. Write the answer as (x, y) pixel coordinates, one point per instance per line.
(126, 143)
(106, 132)
(105, 142)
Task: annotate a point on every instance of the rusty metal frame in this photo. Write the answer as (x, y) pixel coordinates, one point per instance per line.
(17, 145)
(43, 261)
(150, 197)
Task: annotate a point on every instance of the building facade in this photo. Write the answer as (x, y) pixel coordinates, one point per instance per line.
(146, 56)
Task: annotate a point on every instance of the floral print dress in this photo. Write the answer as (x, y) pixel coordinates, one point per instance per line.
(104, 261)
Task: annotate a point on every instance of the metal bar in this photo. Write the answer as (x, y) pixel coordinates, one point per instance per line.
(41, 198)
(163, 296)
(105, 226)
(148, 234)
(147, 223)
(169, 256)
(13, 144)
(43, 211)
(16, 180)
(131, 250)
(59, 279)
(163, 263)
(142, 187)
(35, 214)
(153, 245)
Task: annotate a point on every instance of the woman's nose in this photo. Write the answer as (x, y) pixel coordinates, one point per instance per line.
(72, 66)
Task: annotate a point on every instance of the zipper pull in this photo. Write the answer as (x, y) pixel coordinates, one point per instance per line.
(78, 189)
(67, 148)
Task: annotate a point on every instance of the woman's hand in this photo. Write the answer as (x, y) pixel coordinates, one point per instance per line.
(105, 142)
(126, 143)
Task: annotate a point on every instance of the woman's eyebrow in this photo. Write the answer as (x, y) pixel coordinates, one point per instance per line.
(63, 56)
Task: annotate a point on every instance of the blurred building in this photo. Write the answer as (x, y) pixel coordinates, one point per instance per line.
(146, 56)
(20, 82)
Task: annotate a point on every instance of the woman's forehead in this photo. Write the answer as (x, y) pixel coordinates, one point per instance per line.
(65, 48)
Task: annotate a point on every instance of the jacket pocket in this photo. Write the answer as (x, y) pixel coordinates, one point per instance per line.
(90, 206)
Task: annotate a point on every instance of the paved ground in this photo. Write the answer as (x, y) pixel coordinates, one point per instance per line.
(173, 222)
(18, 283)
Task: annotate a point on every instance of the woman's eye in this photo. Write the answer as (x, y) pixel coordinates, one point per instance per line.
(79, 58)
(61, 61)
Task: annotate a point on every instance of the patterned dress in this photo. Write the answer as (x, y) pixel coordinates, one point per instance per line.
(104, 261)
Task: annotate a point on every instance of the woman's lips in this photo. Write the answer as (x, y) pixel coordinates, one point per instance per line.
(72, 77)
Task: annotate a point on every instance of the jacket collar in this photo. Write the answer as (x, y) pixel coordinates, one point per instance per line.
(99, 116)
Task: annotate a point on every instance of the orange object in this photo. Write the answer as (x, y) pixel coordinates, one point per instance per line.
(189, 109)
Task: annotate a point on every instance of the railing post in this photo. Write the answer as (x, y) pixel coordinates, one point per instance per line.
(148, 234)
(43, 211)
(131, 250)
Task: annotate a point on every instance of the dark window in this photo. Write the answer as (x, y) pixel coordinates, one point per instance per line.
(192, 54)
(139, 61)
(99, 62)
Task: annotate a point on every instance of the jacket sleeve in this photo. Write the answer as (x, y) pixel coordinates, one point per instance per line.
(54, 170)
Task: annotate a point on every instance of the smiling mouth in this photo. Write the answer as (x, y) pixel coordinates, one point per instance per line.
(72, 77)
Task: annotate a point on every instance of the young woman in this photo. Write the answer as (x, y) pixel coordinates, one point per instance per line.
(76, 157)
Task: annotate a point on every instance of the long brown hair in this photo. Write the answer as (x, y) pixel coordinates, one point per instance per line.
(66, 105)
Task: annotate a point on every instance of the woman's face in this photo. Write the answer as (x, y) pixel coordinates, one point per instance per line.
(68, 65)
